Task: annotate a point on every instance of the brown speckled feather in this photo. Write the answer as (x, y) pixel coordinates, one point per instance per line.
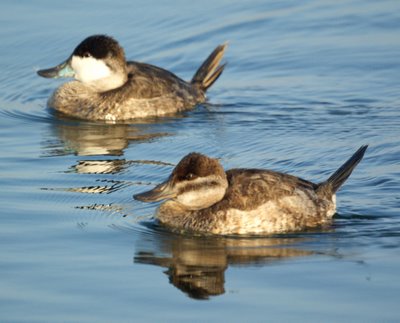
(249, 188)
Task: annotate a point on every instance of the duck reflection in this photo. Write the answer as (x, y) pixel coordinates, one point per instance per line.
(104, 146)
(196, 265)
(92, 139)
(110, 166)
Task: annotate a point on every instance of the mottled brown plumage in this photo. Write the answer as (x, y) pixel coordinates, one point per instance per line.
(109, 88)
(203, 198)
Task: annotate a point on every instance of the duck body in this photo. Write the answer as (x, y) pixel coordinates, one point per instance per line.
(109, 88)
(256, 201)
(245, 201)
(148, 92)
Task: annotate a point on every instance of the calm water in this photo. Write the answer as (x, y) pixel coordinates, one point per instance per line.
(307, 83)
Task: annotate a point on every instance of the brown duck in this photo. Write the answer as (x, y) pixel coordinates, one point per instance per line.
(202, 197)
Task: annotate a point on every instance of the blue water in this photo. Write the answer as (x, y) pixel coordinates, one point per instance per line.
(306, 84)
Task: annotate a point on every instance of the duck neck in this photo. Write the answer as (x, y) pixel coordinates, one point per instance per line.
(173, 214)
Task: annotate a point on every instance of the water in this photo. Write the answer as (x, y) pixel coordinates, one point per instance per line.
(307, 83)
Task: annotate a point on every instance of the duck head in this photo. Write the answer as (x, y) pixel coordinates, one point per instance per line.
(197, 182)
(98, 61)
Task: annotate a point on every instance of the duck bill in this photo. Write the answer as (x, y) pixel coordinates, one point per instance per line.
(62, 70)
(160, 192)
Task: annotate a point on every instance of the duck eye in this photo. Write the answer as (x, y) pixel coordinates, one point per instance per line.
(190, 176)
(86, 54)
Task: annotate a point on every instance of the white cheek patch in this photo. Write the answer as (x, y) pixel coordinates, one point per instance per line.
(201, 198)
(88, 69)
(205, 195)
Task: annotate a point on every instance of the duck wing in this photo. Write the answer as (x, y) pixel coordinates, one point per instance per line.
(250, 188)
(147, 81)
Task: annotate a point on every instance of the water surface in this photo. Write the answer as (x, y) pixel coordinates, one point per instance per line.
(307, 83)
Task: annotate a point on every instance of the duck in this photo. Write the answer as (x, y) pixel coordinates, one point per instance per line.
(107, 87)
(201, 197)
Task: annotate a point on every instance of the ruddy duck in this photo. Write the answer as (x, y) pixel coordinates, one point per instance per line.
(202, 197)
(110, 88)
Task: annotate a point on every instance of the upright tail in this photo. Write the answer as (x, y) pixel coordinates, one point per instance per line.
(210, 70)
(334, 182)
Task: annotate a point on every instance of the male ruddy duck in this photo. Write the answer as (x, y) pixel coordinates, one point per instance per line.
(202, 197)
(107, 87)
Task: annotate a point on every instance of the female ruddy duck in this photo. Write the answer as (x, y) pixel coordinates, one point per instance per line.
(202, 197)
(107, 87)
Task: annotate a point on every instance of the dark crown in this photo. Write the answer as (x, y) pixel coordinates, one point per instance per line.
(98, 46)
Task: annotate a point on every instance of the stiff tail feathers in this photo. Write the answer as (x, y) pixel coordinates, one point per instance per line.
(342, 174)
(210, 70)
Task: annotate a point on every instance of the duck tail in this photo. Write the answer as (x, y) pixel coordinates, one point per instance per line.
(336, 180)
(210, 70)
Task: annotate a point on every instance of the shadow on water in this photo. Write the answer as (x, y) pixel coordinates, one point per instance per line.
(196, 265)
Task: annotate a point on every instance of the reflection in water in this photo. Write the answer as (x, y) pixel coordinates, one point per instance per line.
(111, 166)
(90, 139)
(110, 208)
(97, 139)
(196, 265)
(106, 187)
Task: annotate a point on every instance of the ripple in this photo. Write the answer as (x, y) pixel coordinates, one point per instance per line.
(27, 114)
